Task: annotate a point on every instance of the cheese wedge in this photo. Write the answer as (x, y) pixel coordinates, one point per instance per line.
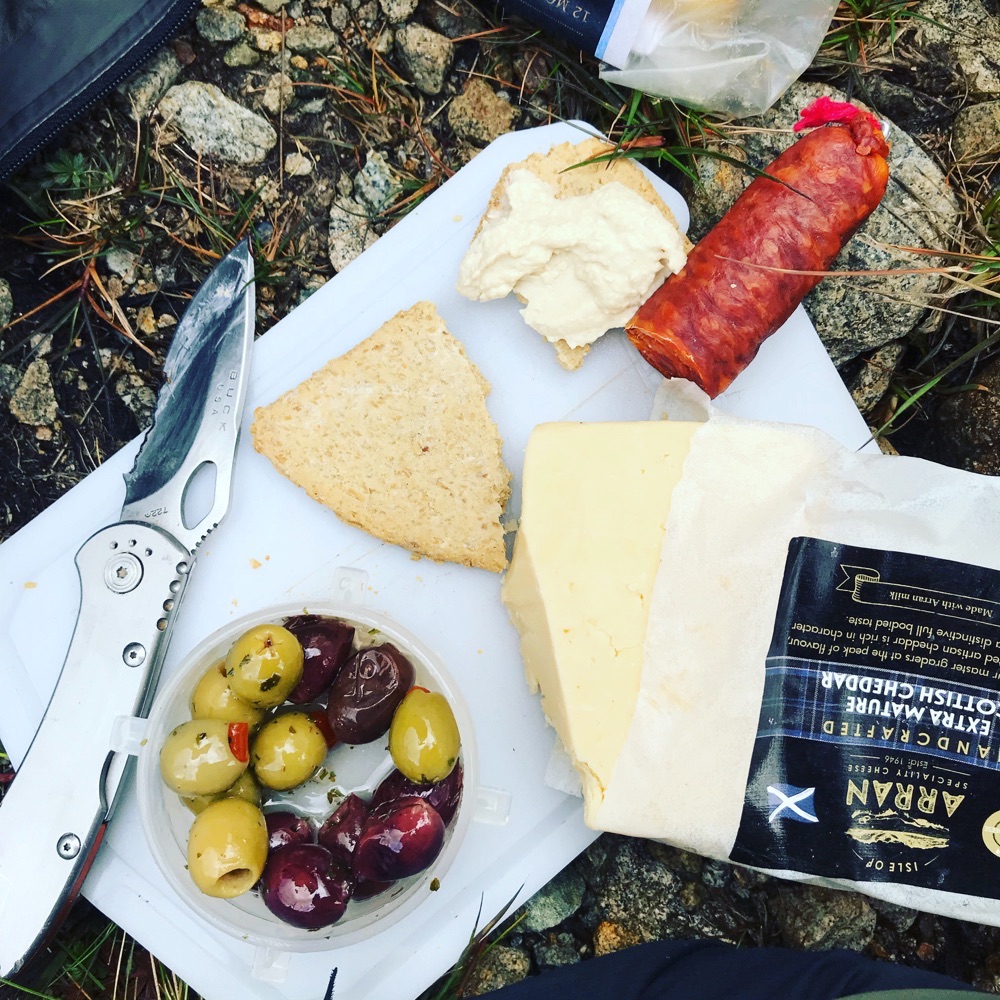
(594, 505)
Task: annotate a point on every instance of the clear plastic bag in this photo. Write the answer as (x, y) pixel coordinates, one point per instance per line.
(731, 56)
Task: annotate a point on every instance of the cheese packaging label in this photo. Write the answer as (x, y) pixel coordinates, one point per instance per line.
(877, 755)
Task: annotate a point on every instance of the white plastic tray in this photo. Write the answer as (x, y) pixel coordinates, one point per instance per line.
(277, 545)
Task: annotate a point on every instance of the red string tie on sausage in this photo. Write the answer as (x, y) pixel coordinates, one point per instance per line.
(865, 128)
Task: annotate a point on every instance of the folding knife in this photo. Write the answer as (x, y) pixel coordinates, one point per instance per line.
(132, 577)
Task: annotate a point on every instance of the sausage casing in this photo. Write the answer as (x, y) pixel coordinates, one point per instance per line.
(707, 322)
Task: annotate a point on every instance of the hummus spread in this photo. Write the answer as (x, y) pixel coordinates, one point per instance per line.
(581, 264)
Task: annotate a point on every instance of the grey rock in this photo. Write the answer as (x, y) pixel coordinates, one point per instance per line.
(454, 20)
(554, 902)
(298, 165)
(853, 314)
(425, 55)
(375, 184)
(592, 861)
(6, 302)
(502, 965)
(479, 115)
(901, 918)
(643, 891)
(241, 55)
(217, 126)
(217, 24)
(966, 427)
(140, 399)
(556, 950)
(684, 862)
(33, 402)
(41, 344)
(165, 275)
(385, 40)
(910, 109)
(398, 11)
(970, 35)
(310, 38)
(312, 285)
(871, 382)
(9, 379)
(350, 233)
(142, 92)
(124, 263)
(976, 132)
(278, 93)
(340, 17)
(715, 874)
(814, 918)
(272, 6)
(634, 892)
(314, 107)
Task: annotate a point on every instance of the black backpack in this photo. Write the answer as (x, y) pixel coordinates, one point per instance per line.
(57, 57)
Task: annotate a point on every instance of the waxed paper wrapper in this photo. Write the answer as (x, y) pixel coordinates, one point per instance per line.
(747, 489)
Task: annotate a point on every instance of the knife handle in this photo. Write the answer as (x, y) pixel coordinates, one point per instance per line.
(132, 577)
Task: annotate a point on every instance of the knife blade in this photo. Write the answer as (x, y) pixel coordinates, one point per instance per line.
(133, 574)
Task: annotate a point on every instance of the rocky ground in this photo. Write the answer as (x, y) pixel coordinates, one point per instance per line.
(316, 124)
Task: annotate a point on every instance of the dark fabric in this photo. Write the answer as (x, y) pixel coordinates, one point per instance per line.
(57, 56)
(677, 970)
(16, 16)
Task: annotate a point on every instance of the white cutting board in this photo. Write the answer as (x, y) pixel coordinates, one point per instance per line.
(277, 545)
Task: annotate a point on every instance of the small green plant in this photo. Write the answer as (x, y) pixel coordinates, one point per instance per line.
(861, 26)
(452, 985)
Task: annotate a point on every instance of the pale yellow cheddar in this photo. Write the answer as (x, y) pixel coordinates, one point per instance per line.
(594, 504)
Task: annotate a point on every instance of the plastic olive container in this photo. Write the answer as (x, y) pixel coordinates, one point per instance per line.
(359, 769)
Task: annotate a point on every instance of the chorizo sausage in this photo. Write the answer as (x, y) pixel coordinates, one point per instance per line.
(707, 322)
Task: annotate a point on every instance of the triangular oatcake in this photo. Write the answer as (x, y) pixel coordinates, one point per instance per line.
(395, 438)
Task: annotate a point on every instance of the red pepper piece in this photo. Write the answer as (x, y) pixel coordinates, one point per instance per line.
(323, 725)
(239, 740)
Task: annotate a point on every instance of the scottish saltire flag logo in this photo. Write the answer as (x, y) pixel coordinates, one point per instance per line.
(791, 802)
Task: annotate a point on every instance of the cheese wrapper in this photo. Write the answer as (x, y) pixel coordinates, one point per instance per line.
(832, 583)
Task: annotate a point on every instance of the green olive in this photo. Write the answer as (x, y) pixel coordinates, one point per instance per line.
(287, 750)
(423, 736)
(196, 758)
(246, 787)
(227, 847)
(213, 698)
(264, 665)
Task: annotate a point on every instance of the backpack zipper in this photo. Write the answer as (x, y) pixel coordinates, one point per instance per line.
(121, 69)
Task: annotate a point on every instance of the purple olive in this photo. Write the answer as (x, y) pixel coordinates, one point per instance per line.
(367, 691)
(285, 828)
(326, 647)
(444, 795)
(303, 885)
(340, 833)
(401, 838)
